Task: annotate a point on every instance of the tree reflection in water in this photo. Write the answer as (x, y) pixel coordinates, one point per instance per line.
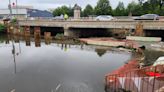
(100, 52)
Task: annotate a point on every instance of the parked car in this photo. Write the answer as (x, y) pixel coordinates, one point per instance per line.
(61, 17)
(104, 18)
(148, 17)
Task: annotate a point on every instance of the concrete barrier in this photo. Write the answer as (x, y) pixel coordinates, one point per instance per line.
(104, 42)
(138, 38)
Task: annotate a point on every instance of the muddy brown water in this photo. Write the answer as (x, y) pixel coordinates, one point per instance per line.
(55, 67)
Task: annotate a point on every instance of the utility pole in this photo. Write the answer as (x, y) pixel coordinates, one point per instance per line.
(9, 6)
(17, 8)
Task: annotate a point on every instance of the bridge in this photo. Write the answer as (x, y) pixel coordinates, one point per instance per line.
(68, 25)
(128, 24)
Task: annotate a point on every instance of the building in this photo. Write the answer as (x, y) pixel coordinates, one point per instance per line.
(77, 12)
(22, 7)
(18, 13)
(38, 13)
(22, 12)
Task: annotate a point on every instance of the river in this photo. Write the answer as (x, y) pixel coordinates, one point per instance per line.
(38, 67)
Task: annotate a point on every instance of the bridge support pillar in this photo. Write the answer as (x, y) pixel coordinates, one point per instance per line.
(47, 37)
(37, 29)
(139, 30)
(27, 38)
(70, 33)
(37, 36)
(27, 28)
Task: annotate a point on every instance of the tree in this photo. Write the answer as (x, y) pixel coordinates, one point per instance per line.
(88, 11)
(134, 8)
(161, 3)
(120, 10)
(147, 8)
(103, 8)
(63, 10)
(153, 6)
(141, 1)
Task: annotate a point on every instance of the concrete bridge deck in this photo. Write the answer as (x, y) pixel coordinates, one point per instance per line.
(129, 24)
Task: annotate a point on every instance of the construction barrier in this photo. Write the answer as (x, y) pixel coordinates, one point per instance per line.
(133, 79)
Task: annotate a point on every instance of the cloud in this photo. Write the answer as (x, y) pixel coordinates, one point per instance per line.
(45, 4)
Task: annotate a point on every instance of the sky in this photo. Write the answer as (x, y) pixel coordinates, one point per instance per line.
(50, 4)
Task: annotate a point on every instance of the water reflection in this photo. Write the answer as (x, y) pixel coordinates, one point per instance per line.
(48, 41)
(41, 69)
(48, 38)
(16, 39)
(27, 40)
(14, 56)
(37, 37)
(100, 51)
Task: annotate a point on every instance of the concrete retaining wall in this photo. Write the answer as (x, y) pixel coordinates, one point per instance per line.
(150, 39)
(105, 43)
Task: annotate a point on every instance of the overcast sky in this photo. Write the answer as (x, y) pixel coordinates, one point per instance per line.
(46, 4)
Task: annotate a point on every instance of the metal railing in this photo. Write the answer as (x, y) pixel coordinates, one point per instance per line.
(149, 79)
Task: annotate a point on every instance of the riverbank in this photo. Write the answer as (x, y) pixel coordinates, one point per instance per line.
(139, 68)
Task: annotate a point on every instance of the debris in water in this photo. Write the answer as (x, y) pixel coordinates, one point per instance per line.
(13, 90)
(58, 87)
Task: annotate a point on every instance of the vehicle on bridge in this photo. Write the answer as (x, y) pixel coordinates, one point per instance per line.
(148, 17)
(104, 18)
(61, 17)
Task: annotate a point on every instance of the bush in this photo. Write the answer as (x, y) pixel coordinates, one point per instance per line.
(2, 28)
(14, 20)
(59, 36)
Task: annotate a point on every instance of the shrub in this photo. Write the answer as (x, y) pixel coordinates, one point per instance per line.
(2, 28)
(14, 20)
